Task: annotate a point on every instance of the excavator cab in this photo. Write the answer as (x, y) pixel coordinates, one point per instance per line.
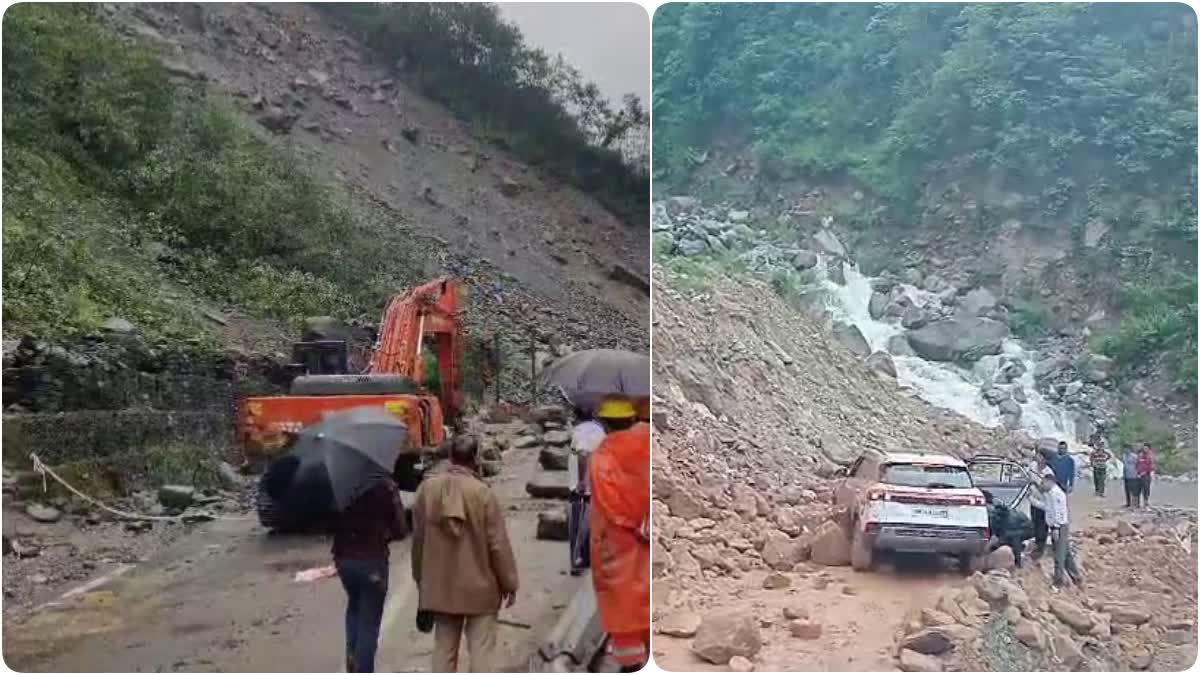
(320, 357)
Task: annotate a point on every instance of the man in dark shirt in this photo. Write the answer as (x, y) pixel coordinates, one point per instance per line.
(360, 553)
(1063, 466)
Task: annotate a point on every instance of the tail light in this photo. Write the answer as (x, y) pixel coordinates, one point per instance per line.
(871, 528)
(878, 495)
(987, 533)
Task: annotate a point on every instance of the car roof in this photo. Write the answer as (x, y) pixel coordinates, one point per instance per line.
(922, 458)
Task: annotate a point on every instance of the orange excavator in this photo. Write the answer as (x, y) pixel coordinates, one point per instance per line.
(426, 317)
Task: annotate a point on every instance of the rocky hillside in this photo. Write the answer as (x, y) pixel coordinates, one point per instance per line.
(353, 187)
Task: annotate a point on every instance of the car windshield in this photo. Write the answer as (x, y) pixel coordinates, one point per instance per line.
(934, 476)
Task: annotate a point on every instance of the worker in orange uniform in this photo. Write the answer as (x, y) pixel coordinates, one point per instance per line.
(619, 473)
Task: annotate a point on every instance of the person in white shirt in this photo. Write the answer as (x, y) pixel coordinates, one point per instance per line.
(1037, 505)
(1058, 521)
(585, 438)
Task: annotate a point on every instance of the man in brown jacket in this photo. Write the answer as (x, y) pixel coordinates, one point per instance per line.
(462, 560)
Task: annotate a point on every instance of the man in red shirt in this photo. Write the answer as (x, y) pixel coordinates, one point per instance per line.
(1145, 471)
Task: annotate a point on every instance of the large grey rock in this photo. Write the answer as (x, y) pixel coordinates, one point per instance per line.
(176, 496)
(929, 641)
(679, 205)
(701, 383)
(558, 438)
(724, 636)
(691, 246)
(978, 302)
(881, 362)
(827, 242)
(1010, 407)
(526, 441)
(960, 339)
(1124, 613)
(804, 260)
(850, 336)
(1097, 368)
(277, 120)
(42, 513)
(830, 546)
(548, 485)
(680, 624)
(552, 525)
(898, 346)
(553, 459)
(914, 317)
(117, 325)
(782, 552)
(877, 304)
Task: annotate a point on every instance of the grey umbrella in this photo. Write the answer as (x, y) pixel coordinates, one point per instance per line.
(585, 376)
(358, 447)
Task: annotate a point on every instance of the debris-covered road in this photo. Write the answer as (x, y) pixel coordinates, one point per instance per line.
(222, 597)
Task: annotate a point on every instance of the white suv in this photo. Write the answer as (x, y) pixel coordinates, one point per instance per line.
(913, 502)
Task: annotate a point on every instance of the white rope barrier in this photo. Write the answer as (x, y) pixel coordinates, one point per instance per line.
(44, 471)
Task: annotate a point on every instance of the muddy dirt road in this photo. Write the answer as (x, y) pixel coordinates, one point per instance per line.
(224, 599)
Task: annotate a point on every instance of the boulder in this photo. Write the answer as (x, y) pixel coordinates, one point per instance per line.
(691, 246)
(827, 242)
(1072, 615)
(1067, 651)
(793, 613)
(877, 304)
(557, 438)
(852, 338)
(1125, 529)
(929, 641)
(881, 362)
(1010, 407)
(679, 624)
(1018, 394)
(776, 580)
(898, 346)
(721, 637)
(914, 317)
(1029, 634)
(277, 120)
(176, 496)
(805, 629)
(1001, 559)
(934, 617)
(1127, 613)
(117, 325)
(548, 485)
(553, 459)
(782, 552)
(680, 205)
(741, 664)
(739, 216)
(829, 545)
(552, 525)
(960, 339)
(42, 513)
(978, 302)
(992, 587)
(916, 662)
(804, 260)
(526, 441)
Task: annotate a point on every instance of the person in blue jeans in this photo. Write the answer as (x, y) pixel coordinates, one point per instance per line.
(360, 553)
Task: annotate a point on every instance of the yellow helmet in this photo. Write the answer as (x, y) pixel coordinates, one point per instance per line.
(616, 409)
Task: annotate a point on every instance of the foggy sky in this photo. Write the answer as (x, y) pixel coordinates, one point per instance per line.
(609, 42)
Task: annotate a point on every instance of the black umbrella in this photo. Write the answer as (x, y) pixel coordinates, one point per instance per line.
(358, 447)
(587, 376)
(330, 465)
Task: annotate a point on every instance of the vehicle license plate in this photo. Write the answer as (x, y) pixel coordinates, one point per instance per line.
(930, 512)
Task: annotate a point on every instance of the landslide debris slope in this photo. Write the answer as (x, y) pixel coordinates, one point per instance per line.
(756, 405)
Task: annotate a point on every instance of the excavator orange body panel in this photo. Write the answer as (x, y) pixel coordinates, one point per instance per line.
(264, 423)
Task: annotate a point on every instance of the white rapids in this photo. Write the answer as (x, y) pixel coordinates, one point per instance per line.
(945, 385)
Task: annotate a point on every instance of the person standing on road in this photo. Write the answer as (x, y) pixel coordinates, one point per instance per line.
(1058, 520)
(1099, 458)
(1145, 472)
(361, 536)
(1064, 468)
(585, 438)
(462, 560)
(1037, 505)
(620, 480)
(1133, 486)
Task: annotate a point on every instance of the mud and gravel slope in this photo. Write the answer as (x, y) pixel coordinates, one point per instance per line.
(542, 248)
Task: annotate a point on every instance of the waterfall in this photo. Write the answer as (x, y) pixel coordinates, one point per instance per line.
(946, 385)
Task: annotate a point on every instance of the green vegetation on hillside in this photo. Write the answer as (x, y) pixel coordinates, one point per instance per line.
(119, 191)
(465, 56)
(1088, 110)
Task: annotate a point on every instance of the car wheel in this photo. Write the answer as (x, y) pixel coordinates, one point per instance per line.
(862, 556)
(969, 563)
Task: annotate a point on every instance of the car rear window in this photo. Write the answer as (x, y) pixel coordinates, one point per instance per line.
(933, 476)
